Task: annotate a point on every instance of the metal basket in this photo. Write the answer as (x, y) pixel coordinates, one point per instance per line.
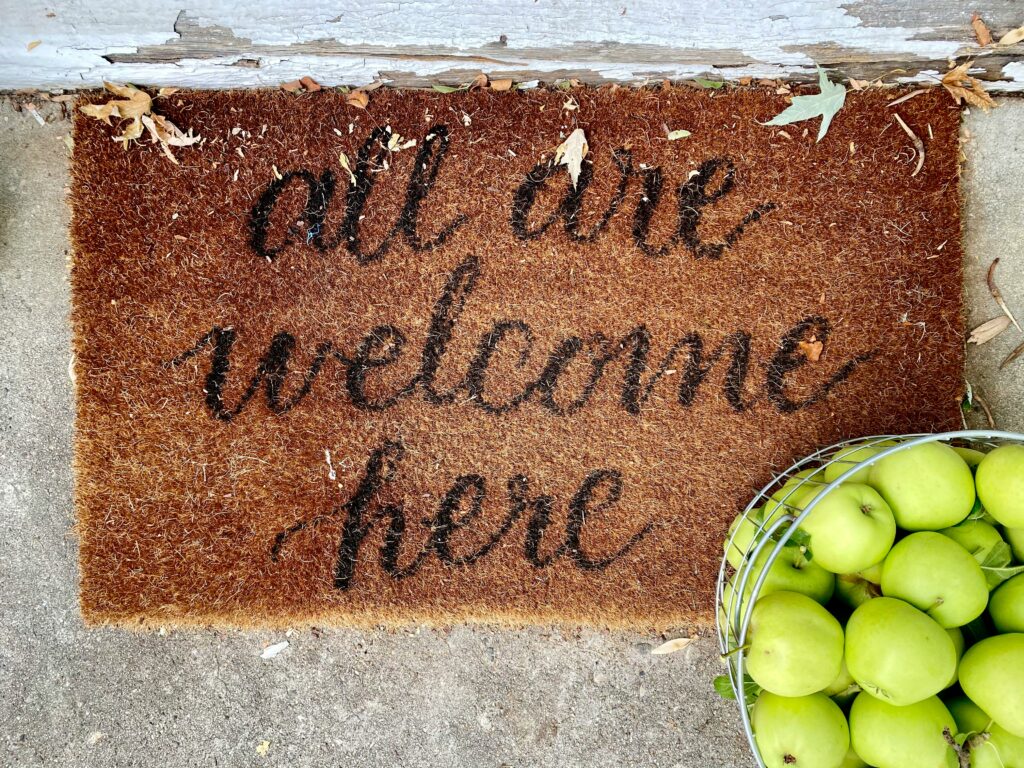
(734, 624)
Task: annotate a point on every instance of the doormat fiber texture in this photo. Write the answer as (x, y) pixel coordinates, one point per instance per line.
(382, 366)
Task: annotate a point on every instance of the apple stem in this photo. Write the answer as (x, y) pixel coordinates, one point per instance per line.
(737, 649)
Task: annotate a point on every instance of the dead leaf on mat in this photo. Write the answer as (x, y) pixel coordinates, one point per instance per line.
(824, 104)
(989, 330)
(501, 85)
(165, 133)
(571, 152)
(358, 99)
(962, 87)
(811, 349)
(672, 646)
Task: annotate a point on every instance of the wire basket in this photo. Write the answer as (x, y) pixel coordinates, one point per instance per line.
(773, 535)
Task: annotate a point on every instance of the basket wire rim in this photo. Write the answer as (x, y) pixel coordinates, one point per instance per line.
(733, 654)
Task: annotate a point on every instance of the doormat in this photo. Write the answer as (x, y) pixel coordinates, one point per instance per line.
(395, 365)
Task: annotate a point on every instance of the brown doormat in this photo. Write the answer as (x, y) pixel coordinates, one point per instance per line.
(388, 366)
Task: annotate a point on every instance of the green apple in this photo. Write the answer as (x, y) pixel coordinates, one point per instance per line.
(1007, 605)
(936, 575)
(959, 643)
(928, 486)
(851, 528)
(990, 746)
(897, 653)
(795, 645)
(854, 590)
(791, 572)
(843, 688)
(852, 760)
(887, 736)
(804, 731)
(851, 455)
(743, 534)
(971, 456)
(1015, 538)
(1001, 485)
(976, 536)
(992, 676)
(792, 496)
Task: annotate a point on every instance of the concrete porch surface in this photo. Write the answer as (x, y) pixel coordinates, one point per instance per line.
(464, 697)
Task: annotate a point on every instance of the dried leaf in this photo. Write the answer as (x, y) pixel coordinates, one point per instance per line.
(672, 646)
(448, 88)
(1012, 356)
(132, 105)
(981, 30)
(811, 349)
(501, 85)
(292, 86)
(263, 748)
(997, 294)
(272, 650)
(571, 152)
(678, 134)
(166, 92)
(311, 85)
(989, 330)
(167, 134)
(1012, 37)
(358, 99)
(480, 81)
(343, 159)
(33, 45)
(962, 87)
(824, 104)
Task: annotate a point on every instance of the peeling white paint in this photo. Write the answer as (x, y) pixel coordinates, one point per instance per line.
(644, 39)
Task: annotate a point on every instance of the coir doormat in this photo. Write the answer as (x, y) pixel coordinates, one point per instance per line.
(391, 365)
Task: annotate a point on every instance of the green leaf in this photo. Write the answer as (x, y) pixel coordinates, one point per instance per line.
(448, 88)
(723, 686)
(999, 556)
(997, 576)
(713, 84)
(751, 690)
(824, 104)
(977, 511)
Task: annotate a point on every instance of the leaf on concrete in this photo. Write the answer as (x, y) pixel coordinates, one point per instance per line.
(824, 104)
(672, 646)
(272, 650)
(962, 87)
(1012, 37)
(571, 152)
(987, 331)
(981, 30)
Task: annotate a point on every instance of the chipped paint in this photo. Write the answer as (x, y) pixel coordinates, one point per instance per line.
(415, 43)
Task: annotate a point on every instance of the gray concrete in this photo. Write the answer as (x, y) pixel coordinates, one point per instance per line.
(467, 697)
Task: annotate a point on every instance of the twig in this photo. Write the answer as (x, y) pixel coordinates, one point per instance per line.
(997, 295)
(988, 411)
(1012, 356)
(908, 97)
(918, 144)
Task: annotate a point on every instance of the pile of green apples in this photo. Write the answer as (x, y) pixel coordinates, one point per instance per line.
(889, 631)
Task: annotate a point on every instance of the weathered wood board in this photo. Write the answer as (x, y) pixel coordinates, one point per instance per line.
(225, 44)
